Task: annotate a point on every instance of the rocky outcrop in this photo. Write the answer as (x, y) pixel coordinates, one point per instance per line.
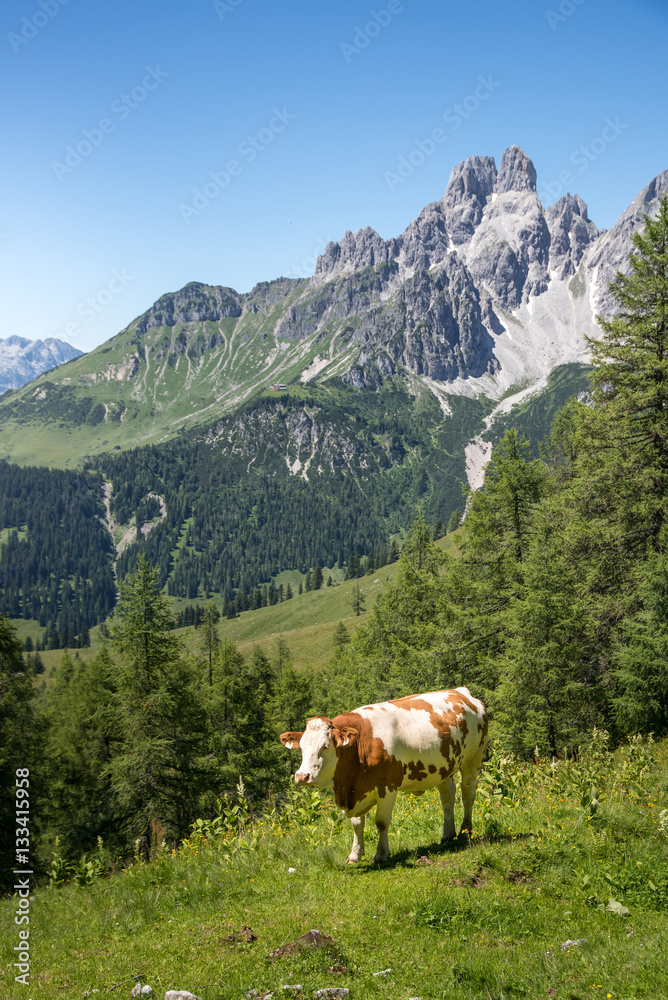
(471, 185)
(611, 252)
(365, 248)
(516, 172)
(571, 233)
(195, 303)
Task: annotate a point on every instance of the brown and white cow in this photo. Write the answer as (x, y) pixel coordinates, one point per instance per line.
(407, 745)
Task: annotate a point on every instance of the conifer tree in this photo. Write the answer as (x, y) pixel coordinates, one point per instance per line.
(341, 635)
(159, 722)
(209, 638)
(631, 384)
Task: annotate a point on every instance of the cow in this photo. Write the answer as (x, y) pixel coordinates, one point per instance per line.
(406, 745)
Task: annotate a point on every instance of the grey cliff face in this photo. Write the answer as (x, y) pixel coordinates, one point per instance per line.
(516, 172)
(471, 184)
(612, 251)
(365, 248)
(571, 233)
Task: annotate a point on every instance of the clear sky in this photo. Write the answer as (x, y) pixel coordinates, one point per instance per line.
(117, 114)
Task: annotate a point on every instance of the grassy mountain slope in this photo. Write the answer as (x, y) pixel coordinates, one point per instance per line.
(548, 900)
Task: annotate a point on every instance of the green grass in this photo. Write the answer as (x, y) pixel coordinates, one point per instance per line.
(481, 922)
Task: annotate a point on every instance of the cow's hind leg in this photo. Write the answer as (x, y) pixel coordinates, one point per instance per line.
(384, 809)
(447, 790)
(469, 785)
(357, 850)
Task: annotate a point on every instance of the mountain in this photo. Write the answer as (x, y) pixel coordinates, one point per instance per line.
(22, 360)
(482, 296)
(232, 436)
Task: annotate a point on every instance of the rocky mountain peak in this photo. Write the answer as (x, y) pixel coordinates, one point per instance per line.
(195, 303)
(22, 360)
(516, 172)
(471, 183)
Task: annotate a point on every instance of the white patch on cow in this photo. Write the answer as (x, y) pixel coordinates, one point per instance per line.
(318, 755)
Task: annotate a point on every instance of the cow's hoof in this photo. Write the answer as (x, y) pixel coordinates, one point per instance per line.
(350, 860)
(378, 860)
(449, 838)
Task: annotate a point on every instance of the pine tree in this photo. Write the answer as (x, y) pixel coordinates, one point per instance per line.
(209, 639)
(288, 592)
(341, 635)
(631, 385)
(159, 721)
(454, 520)
(317, 578)
(357, 600)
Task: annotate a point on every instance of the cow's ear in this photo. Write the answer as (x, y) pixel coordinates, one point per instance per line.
(290, 740)
(344, 736)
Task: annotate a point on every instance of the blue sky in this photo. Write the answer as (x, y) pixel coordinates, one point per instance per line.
(116, 116)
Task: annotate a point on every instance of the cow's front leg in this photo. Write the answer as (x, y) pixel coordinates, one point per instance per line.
(384, 809)
(357, 850)
(447, 790)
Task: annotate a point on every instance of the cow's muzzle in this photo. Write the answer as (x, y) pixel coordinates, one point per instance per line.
(303, 778)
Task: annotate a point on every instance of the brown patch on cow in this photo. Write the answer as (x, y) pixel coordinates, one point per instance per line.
(443, 771)
(412, 702)
(416, 770)
(363, 766)
(482, 729)
(432, 769)
(314, 939)
(244, 936)
(368, 708)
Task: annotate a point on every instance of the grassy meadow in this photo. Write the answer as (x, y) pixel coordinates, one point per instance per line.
(573, 851)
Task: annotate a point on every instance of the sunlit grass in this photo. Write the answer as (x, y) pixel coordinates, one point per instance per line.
(489, 919)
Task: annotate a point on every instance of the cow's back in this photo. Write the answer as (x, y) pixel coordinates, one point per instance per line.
(414, 743)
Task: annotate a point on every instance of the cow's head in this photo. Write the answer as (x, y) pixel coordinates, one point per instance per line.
(318, 744)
